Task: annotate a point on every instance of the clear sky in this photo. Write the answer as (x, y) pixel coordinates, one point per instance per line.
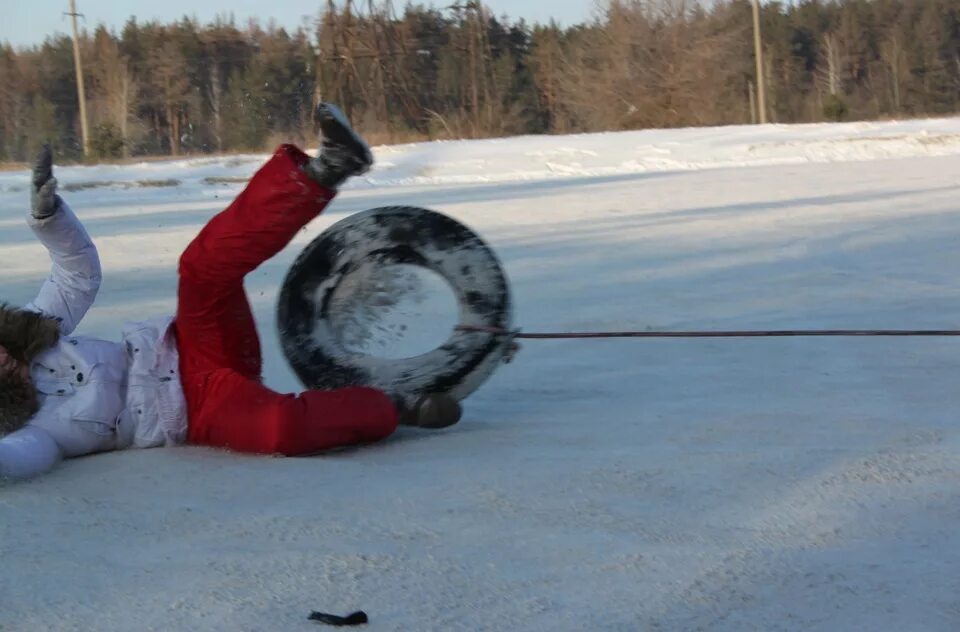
(26, 22)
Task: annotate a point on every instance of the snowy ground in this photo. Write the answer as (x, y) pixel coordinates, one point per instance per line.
(774, 484)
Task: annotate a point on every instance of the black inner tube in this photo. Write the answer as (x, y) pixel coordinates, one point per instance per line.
(392, 236)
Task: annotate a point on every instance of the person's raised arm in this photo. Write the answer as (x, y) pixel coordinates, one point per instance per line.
(74, 280)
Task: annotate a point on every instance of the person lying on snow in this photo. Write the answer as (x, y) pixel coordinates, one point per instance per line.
(193, 378)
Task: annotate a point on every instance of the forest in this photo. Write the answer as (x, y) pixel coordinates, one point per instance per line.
(418, 72)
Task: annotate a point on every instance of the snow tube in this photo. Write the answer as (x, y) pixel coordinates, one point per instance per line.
(385, 237)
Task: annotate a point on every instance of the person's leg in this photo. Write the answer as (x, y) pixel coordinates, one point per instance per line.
(243, 415)
(215, 327)
(216, 334)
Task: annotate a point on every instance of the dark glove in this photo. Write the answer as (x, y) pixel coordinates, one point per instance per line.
(44, 200)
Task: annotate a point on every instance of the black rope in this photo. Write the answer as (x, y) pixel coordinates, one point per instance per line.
(783, 333)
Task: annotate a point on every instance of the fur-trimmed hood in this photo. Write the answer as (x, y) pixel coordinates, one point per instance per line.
(25, 335)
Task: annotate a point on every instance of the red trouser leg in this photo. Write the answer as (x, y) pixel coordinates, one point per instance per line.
(220, 359)
(244, 415)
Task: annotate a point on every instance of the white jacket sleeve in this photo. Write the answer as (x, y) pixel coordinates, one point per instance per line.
(28, 452)
(74, 281)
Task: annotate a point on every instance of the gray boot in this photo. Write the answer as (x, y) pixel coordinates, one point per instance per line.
(343, 153)
(433, 410)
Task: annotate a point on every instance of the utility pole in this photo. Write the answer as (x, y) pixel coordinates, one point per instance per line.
(78, 66)
(758, 53)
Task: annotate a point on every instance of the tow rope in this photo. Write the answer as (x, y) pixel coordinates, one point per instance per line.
(772, 333)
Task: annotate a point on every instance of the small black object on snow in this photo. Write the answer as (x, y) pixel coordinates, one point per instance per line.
(357, 618)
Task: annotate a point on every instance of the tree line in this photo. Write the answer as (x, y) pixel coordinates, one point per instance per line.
(461, 72)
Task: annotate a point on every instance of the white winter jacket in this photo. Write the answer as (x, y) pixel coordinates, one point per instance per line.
(95, 395)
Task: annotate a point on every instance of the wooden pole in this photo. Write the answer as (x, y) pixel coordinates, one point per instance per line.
(758, 53)
(81, 93)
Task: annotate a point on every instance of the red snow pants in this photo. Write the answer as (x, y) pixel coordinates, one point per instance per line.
(220, 361)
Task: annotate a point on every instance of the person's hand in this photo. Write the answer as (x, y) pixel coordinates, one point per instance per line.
(44, 200)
